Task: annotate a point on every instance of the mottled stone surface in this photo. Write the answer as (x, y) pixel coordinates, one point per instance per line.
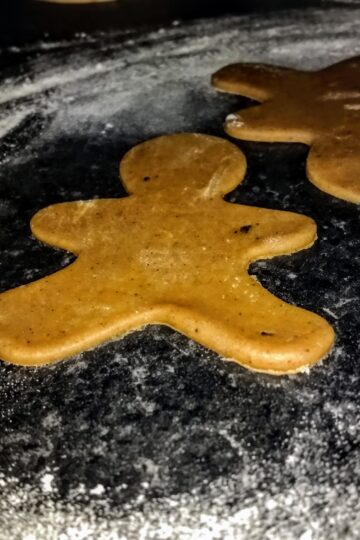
(153, 436)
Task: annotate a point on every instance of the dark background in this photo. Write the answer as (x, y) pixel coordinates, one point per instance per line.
(22, 21)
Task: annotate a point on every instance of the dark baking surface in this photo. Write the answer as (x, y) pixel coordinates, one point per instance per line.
(24, 20)
(130, 427)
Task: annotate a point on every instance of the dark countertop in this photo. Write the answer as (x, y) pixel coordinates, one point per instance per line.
(22, 21)
(153, 436)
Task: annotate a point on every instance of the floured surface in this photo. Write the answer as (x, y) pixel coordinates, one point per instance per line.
(153, 437)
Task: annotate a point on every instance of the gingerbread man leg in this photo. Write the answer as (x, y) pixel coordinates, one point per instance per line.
(72, 225)
(333, 166)
(66, 313)
(276, 338)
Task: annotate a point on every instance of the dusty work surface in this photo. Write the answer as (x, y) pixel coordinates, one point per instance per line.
(153, 436)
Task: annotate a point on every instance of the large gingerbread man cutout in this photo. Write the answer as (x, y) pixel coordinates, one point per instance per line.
(173, 252)
(319, 108)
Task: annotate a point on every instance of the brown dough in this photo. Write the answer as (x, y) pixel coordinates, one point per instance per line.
(174, 252)
(320, 108)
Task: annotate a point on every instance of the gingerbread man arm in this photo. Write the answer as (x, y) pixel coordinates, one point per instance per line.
(268, 233)
(255, 81)
(67, 225)
(269, 121)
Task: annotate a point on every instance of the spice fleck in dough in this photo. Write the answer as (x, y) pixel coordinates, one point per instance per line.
(173, 252)
(319, 108)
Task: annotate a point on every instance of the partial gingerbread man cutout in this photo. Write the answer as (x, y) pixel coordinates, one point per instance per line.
(319, 108)
(173, 252)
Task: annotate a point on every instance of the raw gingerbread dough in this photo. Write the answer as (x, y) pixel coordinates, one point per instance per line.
(173, 252)
(320, 108)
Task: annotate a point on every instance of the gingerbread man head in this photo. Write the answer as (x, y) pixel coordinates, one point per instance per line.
(183, 166)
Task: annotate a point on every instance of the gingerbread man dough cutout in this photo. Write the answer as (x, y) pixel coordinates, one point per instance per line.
(173, 252)
(319, 108)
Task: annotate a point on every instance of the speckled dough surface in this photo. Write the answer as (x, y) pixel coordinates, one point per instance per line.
(320, 108)
(144, 259)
